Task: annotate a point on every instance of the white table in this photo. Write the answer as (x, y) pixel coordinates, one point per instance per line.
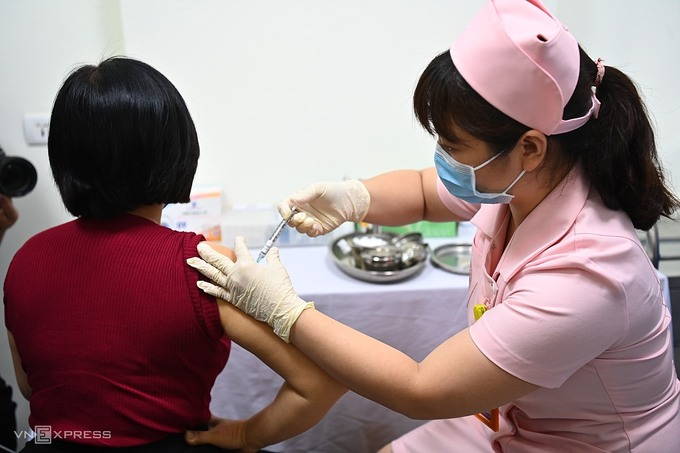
(414, 316)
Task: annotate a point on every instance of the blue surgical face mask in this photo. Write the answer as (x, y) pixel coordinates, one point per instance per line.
(459, 179)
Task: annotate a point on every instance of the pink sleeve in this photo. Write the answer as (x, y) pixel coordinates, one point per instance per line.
(462, 209)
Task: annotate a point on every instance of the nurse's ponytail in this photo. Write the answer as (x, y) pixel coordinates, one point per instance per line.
(617, 150)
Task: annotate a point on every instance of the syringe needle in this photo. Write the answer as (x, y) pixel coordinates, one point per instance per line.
(275, 235)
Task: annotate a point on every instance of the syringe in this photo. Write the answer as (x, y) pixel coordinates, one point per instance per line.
(275, 235)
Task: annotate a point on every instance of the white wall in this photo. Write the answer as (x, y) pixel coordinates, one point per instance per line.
(286, 93)
(643, 40)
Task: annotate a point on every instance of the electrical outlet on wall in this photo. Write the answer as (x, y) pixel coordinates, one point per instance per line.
(36, 128)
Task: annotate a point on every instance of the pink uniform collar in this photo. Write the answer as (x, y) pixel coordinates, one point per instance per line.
(546, 224)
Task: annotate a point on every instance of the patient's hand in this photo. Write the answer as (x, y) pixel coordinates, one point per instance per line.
(223, 433)
(8, 213)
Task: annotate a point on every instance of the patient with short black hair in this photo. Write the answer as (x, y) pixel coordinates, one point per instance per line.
(113, 343)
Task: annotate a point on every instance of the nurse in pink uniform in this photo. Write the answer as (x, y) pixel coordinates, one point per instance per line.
(552, 156)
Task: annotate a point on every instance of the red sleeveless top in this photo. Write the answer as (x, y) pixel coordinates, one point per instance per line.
(119, 345)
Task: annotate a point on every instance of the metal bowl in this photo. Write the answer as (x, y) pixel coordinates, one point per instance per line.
(408, 238)
(379, 258)
(413, 252)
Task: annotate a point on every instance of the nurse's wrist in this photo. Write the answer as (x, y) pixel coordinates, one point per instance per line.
(298, 324)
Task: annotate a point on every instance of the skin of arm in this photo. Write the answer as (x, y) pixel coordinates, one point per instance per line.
(8, 214)
(304, 398)
(22, 380)
(454, 380)
(417, 200)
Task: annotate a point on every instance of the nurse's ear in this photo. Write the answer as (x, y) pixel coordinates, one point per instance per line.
(534, 145)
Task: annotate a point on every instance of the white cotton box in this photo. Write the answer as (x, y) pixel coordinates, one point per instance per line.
(201, 215)
(254, 221)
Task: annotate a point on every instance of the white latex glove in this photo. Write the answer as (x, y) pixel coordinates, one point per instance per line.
(265, 292)
(325, 206)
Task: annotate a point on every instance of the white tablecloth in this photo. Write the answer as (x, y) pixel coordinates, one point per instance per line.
(414, 316)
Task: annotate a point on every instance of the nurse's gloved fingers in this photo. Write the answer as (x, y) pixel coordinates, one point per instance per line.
(214, 290)
(241, 249)
(209, 254)
(305, 196)
(273, 257)
(307, 225)
(299, 199)
(317, 230)
(284, 208)
(294, 220)
(208, 270)
(297, 219)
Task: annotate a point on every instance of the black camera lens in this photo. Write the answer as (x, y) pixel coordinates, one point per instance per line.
(17, 175)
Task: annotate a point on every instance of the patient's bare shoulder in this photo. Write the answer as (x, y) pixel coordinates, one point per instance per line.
(223, 249)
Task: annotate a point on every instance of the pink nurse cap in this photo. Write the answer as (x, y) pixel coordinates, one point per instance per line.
(522, 61)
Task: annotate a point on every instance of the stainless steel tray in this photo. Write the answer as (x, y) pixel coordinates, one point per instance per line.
(345, 257)
(453, 258)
